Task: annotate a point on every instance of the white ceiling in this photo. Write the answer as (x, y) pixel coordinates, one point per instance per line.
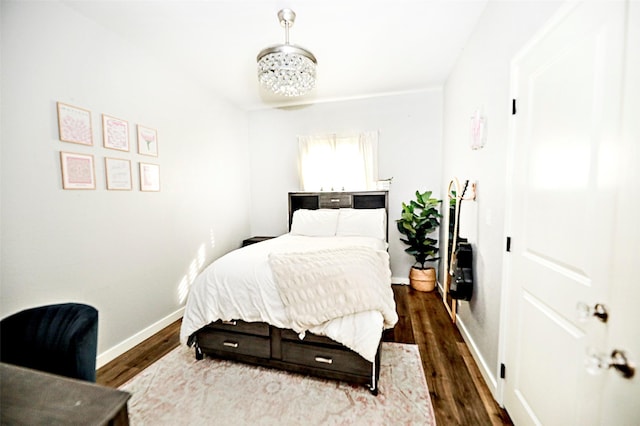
(364, 48)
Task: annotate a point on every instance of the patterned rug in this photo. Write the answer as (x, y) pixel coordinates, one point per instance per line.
(178, 390)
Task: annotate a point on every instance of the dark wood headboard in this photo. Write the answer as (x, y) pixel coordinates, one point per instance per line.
(336, 200)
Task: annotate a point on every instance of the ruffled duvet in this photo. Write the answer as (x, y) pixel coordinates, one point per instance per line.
(241, 285)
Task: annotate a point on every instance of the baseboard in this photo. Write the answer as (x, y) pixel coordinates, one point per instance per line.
(486, 372)
(120, 348)
(400, 280)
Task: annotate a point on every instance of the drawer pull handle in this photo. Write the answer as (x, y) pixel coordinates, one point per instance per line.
(232, 322)
(335, 200)
(324, 360)
(230, 344)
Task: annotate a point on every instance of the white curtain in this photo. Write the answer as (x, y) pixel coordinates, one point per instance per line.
(337, 162)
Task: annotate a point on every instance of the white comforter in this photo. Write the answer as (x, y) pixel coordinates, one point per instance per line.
(240, 285)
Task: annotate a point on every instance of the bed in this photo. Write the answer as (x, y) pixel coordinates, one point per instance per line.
(313, 301)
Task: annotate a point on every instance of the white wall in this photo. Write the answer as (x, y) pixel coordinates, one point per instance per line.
(409, 150)
(480, 80)
(127, 252)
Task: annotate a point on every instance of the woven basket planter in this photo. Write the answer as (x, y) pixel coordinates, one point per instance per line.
(423, 279)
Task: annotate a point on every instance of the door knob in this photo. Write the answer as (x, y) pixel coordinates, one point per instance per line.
(585, 312)
(597, 363)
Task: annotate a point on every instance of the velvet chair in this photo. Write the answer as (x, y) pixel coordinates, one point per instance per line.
(60, 339)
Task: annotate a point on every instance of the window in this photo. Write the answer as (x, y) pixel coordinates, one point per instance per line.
(338, 162)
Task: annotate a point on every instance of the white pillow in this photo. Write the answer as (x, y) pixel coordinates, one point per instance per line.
(362, 223)
(315, 223)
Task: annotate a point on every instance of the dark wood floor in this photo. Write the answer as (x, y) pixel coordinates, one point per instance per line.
(458, 391)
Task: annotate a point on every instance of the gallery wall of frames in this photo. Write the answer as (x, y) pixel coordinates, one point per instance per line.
(75, 125)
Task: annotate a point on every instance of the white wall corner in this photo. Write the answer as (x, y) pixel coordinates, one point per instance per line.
(486, 372)
(117, 350)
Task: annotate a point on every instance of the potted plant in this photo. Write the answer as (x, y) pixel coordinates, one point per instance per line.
(419, 220)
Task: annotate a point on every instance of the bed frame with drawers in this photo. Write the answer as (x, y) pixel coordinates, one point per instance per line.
(262, 344)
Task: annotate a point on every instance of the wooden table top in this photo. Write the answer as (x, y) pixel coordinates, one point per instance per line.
(30, 397)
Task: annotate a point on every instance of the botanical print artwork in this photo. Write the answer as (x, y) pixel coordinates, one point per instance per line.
(116, 133)
(147, 141)
(74, 124)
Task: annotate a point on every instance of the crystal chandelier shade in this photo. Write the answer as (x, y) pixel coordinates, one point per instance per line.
(286, 69)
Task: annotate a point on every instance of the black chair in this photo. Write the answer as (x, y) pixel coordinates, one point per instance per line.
(60, 339)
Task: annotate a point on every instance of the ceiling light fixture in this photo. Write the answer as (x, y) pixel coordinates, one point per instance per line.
(286, 69)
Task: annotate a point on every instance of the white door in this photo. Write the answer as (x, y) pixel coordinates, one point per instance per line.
(621, 403)
(566, 182)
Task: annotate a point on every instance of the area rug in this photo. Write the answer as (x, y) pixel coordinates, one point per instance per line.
(178, 390)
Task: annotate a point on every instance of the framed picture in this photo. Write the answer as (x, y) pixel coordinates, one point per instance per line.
(149, 177)
(118, 173)
(478, 130)
(147, 141)
(115, 133)
(74, 124)
(77, 171)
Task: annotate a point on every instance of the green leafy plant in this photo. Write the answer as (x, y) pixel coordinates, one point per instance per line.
(419, 219)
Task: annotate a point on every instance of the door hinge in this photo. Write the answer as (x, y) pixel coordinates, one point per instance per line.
(502, 371)
(508, 244)
(513, 107)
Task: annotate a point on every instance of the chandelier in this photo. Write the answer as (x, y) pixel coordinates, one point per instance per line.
(286, 69)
